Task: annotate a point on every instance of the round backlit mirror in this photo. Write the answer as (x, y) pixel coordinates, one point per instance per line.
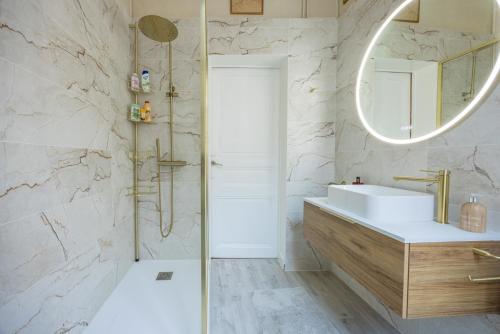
(428, 67)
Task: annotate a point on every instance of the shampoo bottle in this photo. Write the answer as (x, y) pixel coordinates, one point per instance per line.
(147, 110)
(135, 113)
(134, 82)
(473, 216)
(145, 81)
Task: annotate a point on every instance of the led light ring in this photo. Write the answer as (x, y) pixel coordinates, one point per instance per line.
(460, 117)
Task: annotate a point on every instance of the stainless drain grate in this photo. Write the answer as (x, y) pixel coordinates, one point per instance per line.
(164, 276)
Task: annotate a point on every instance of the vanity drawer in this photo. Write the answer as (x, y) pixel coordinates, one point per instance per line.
(373, 259)
(439, 282)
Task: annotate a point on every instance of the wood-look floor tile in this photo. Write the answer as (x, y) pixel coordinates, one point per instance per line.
(253, 296)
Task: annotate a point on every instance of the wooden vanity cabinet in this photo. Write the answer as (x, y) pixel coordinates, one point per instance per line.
(438, 279)
(413, 280)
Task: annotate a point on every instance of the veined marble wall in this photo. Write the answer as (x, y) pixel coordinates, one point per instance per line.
(471, 152)
(311, 48)
(310, 45)
(65, 220)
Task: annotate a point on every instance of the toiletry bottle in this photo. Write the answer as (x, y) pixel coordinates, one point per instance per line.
(147, 109)
(134, 82)
(135, 112)
(145, 81)
(143, 114)
(473, 216)
(358, 180)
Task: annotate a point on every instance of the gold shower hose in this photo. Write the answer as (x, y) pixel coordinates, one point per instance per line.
(158, 166)
(171, 94)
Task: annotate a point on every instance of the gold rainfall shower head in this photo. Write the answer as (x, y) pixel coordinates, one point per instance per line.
(158, 28)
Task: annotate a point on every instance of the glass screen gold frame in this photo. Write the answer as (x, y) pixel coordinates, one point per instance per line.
(473, 105)
(204, 168)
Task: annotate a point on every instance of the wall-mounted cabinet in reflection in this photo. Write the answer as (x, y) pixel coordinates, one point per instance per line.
(419, 79)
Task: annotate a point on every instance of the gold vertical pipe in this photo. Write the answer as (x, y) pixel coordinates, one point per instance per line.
(171, 134)
(204, 166)
(171, 101)
(136, 191)
(136, 152)
(473, 75)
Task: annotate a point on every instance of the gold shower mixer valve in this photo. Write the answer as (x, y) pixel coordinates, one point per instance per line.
(171, 92)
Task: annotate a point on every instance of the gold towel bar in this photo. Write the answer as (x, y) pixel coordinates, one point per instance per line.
(484, 253)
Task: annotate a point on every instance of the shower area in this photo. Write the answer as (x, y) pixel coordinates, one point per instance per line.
(101, 209)
(163, 287)
(167, 155)
(474, 65)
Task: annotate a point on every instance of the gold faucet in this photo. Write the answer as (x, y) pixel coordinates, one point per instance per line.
(442, 179)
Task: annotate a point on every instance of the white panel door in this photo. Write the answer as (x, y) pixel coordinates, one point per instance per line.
(244, 111)
(392, 105)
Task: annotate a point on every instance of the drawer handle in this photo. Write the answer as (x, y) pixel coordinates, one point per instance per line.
(484, 253)
(485, 279)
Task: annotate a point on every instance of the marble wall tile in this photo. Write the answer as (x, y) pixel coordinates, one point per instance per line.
(247, 35)
(65, 217)
(379, 166)
(312, 61)
(51, 238)
(34, 50)
(60, 301)
(40, 177)
(469, 150)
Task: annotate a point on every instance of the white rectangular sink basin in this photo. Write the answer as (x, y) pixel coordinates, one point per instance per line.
(382, 204)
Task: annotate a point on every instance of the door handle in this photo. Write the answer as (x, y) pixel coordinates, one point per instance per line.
(216, 164)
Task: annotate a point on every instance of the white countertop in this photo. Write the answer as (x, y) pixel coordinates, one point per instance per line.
(418, 232)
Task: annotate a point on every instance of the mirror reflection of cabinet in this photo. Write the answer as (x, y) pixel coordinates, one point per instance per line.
(418, 79)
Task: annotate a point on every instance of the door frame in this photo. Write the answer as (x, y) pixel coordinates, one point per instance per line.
(279, 62)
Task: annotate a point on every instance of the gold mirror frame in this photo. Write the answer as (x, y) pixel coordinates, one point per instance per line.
(482, 95)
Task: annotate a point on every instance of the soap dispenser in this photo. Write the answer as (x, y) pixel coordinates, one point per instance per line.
(473, 216)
